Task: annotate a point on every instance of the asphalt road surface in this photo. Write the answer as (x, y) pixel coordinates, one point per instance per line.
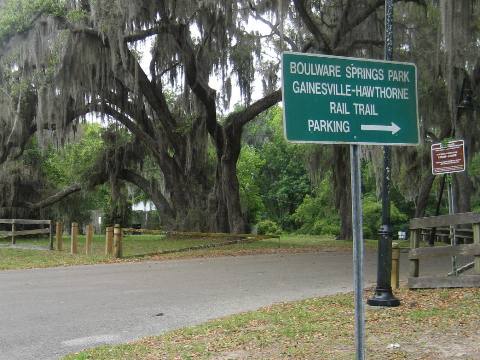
(47, 313)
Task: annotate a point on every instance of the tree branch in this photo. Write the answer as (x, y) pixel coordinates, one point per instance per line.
(155, 99)
(274, 29)
(319, 36)
(344, 50)
(148, 188)
(369, 10)
(142, 34)
(130, 125)
(341, 24)
(56, 197)
(198, 85)
(240, 118)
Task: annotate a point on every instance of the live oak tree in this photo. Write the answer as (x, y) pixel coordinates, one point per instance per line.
(80, 57)
(61, 60)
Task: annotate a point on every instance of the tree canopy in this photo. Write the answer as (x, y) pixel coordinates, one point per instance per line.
(63, 61)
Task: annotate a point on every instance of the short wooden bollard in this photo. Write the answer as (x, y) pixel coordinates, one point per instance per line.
(476, 240)
(50, 235)
(117, 241)
(89, 240)
(74, 239)
(109, 241)
(59, 235)
(13, 233)
(395, 279)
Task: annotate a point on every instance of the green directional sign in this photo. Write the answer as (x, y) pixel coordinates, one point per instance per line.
(330, 99)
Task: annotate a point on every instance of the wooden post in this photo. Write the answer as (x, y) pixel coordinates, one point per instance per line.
(414, 264)
(50, 234)
(89, 240)
(59, 235)
(74, 239)
(117, 241)
(109, 241)
(476, 240)
(13, 232)
(395, 279)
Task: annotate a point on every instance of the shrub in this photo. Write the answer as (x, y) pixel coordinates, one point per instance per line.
(316, 215)
(269, 227)
(372, 217)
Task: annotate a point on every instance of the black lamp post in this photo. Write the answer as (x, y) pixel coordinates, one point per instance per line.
(383, 292)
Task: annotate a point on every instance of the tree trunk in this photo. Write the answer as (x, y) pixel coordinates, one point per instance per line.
(231, 192)
(423, 195)
(341, 184)
(224, 201)
(217, 208)
(462, 190)
(462, 184)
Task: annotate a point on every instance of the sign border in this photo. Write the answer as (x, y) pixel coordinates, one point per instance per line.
(449, 172)
(347, 142)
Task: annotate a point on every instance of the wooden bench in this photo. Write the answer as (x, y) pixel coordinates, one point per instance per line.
(418, 225)
(14, 232)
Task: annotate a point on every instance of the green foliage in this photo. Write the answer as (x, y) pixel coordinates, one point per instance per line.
(248, 170)
(72, 164)
(315, 215)
(262, 130)
(372, 217)
(18, 15)
(269, 227)
(275, 185)
(283, 181)
(77, 15)
(474, 172)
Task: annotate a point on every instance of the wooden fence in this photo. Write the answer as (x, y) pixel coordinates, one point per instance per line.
(422, 225)
(14, 232)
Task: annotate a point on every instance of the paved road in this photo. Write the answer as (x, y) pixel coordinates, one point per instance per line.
(46, 313)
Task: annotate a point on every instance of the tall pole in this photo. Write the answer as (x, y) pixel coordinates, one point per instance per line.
(358, 250)
(383, 292)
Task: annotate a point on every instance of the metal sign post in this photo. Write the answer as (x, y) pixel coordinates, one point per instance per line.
(448, 158)
(358, 250)
(451, 210)
(338, 100)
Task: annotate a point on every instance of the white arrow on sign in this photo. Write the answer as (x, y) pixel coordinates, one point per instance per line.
(394, 128)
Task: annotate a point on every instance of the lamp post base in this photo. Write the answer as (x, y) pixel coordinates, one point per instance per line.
(383, 297)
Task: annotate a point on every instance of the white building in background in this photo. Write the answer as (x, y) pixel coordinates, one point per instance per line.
(144, 206)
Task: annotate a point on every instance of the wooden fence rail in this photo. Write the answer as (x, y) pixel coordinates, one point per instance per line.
(418, 225)
(14, 232)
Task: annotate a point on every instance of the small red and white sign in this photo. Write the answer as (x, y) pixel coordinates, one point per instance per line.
(448, 157)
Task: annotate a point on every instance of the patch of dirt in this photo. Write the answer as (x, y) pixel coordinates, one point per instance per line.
(232, 355)
(242, 252)
(457, 343)
(440, 324)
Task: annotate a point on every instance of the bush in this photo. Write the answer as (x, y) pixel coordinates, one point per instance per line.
(372, 217)
(269, 227)
(316, 214)
(326, 226)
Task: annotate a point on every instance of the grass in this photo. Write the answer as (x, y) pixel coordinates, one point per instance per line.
(138, 247)
(424, 327)
(134, 246)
